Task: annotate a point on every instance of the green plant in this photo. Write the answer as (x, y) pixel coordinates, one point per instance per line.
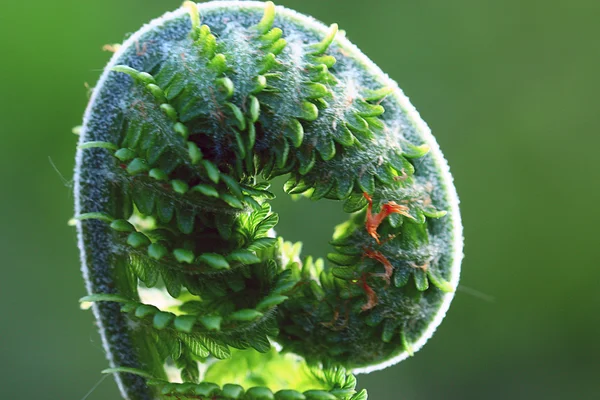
(192, 118)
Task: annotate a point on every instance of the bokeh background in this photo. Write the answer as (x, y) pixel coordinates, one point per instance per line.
(510, 89)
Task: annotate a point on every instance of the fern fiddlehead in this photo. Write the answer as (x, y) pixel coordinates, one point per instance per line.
(194, 295)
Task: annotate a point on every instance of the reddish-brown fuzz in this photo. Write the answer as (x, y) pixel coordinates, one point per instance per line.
(141, 50)
(377, 256)
(374, 220)
(424, 266)
(371, 295)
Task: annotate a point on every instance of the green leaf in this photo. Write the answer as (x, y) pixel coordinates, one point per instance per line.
(260, 343)
(267, 63)
(260, 84)
(362, 395)
(137, 240)
(295, 132)
(411, 151)
(206, 190)
(238, 115)
(226, 86)
(254, 109)
(365, 109)
(270, 302)
(366, 182)
(120, 225)
(158, 174)
(125, 154)
(162, 320)
(266, 225)
(98, 145)
(319, 395)
(421, 279)
(267, 20)
(288, 394)
(94, 215)
(169, 111)
(218, 63)
(277, 47)
(206, 389)
(259, 393)
(146, 272)
(192, 9)
(104, 297)
(194, 345)
(211, 322)
(307, 162)
(282, 154)
(127, 370)
(257, 216)
(157, 251)
(144, 310)
(317, 290)
(144, 198)
(137, 166)
(308, 111)
(320, 48)
(262, 243)
(172, 283)
(220, 351)
(212, 171)
(344, 187)
(232, 200)
(245, 315)
(342, 259)
(207, 42)
(214, 260)
(439, 282)
(244, 256)
(322, 188)
(327, 60)
(180, 186)
(315, 90)
(176, 349)
(405, 343)
(185, 220)
(233, 185)
(345, 273)
(379, 94)
(184, 256)
(156, 92)
(194, 153)
(270, 37)
(389, 329)
(357, 124)
(185, 323)
(355, 202)
(401, 277)
(326, 148)
(231, 391)
(181, 129)
(240, 145)
(432, 213)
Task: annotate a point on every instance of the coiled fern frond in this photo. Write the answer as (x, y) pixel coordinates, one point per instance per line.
(194, 294)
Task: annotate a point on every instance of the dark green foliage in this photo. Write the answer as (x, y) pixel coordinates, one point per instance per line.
(202, 128)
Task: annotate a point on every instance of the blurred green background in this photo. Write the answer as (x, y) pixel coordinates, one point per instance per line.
(510, 89)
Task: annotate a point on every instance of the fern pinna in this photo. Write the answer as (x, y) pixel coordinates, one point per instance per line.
(194, 294)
